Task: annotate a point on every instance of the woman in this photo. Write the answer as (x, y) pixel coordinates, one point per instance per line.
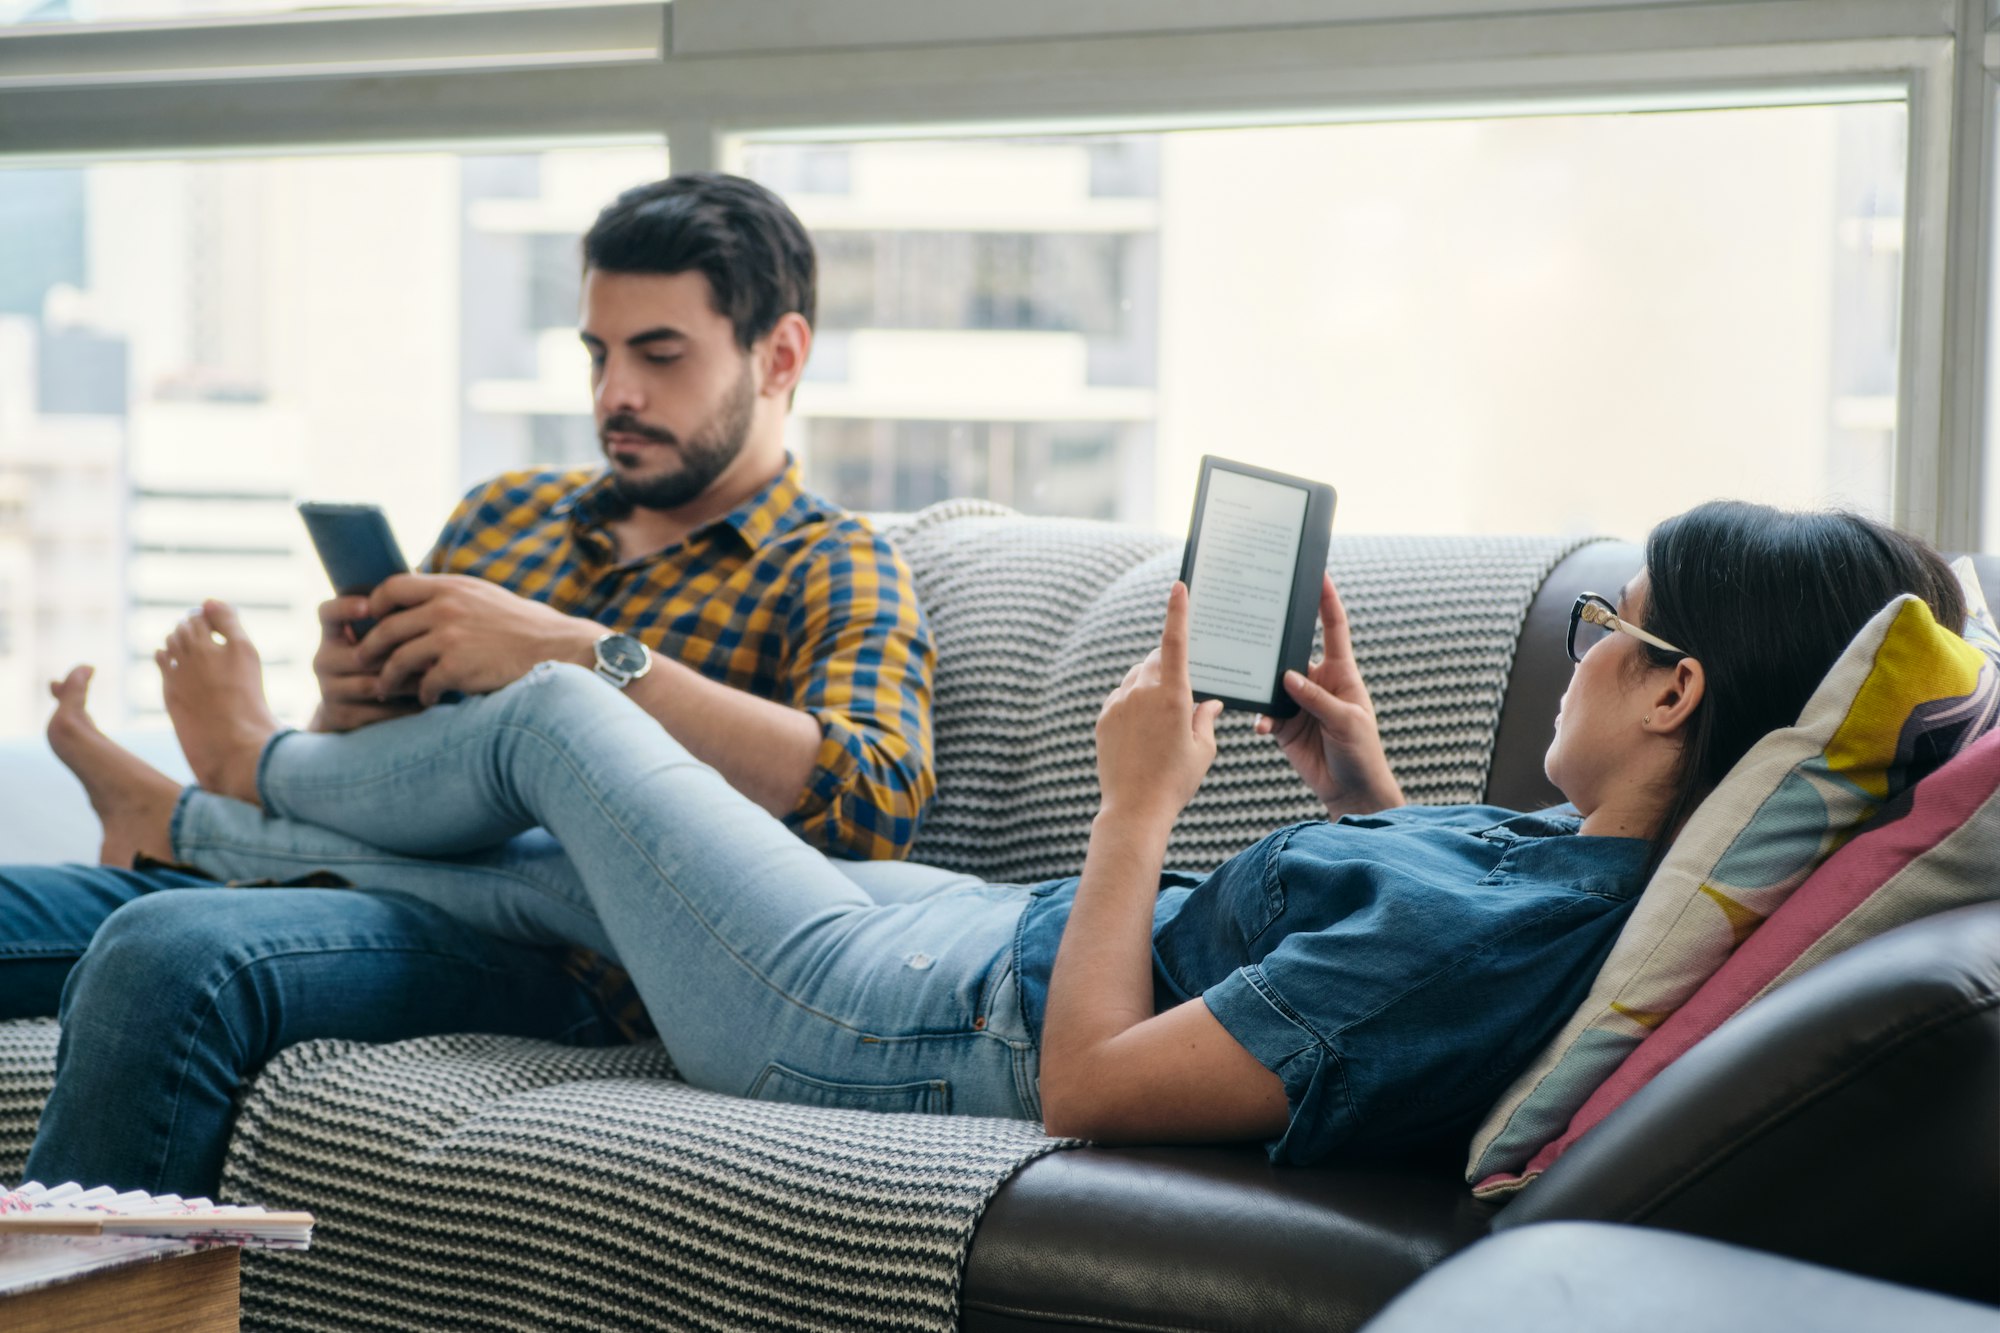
(1362, 984)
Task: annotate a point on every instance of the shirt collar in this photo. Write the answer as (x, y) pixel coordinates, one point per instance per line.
(780, 506)
(773, 511)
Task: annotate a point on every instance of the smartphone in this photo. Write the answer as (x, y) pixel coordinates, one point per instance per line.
(356, 546)
(1256, 551)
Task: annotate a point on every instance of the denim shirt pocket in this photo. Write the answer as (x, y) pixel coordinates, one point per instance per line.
(1506, 866)
(1256, 909)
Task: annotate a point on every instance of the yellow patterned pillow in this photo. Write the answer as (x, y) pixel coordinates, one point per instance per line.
(1905, 696)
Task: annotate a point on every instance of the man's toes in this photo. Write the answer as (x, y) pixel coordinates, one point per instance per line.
(221, 617)
(73, 688)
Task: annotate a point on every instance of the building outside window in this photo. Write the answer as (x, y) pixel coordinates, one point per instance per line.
(1562, 323)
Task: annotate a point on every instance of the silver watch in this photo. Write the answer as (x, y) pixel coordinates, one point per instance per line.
(622, 659)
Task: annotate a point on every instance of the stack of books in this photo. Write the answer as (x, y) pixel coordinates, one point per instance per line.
(72, 1210)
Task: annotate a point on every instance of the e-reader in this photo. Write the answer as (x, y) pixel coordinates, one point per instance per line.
(1256, 550)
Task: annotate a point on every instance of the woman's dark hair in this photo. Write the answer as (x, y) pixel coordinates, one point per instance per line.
(752, 249)
(1767, 600)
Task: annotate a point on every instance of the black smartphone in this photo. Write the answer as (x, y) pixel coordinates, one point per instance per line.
(1256, 550)
(356, 546)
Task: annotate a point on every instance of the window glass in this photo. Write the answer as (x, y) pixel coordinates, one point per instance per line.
(1560, 324)
(188, 349)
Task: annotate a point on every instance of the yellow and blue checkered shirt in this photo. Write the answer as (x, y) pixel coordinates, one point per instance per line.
(788, 598)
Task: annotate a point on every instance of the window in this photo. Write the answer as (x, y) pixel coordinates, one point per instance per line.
(188, 349)
(1667, 248)
(1564, 323)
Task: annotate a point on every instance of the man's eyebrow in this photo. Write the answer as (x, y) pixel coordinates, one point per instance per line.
(664, 333)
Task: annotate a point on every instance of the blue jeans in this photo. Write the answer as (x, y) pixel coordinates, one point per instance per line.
(187, 990)
(869, 984)
(727, 922)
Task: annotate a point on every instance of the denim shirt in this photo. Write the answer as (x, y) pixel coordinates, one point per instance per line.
(1395, 971)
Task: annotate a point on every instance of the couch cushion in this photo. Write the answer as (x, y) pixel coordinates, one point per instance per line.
(495, 1182)
(1037, 619)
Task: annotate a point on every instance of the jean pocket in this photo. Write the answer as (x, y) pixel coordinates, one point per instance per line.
(781, 1084)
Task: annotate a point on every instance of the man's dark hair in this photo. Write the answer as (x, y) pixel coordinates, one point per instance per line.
(1767, 600)
(752, 248)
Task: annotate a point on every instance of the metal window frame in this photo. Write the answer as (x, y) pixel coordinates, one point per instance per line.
(705, 73)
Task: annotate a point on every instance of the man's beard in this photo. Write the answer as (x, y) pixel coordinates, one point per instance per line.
(704, 455)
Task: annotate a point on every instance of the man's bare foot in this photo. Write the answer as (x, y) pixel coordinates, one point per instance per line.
(134, 801)
(214, 686)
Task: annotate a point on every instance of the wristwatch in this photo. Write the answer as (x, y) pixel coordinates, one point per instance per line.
(622, 659)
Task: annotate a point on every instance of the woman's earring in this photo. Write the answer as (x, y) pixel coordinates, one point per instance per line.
(1646, 721)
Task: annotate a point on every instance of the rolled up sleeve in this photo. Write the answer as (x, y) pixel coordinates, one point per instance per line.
(862, 667)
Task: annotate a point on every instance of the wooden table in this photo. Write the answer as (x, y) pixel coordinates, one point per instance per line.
(192, 1292)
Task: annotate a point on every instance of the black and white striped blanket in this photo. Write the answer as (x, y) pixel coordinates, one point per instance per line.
(495, 1183)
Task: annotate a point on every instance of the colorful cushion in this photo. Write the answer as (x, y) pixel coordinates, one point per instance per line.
(1904, 697)
(1934, 848)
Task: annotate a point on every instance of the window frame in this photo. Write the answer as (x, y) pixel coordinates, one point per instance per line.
(705, 74)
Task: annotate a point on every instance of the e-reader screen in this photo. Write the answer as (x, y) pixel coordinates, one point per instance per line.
(1246, 580)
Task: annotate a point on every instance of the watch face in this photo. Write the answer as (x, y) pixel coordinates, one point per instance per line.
(621, 652)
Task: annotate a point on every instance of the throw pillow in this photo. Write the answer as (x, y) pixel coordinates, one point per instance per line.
(1904, 697)
(1932, 849)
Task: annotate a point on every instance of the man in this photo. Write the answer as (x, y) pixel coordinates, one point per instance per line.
(777, 638)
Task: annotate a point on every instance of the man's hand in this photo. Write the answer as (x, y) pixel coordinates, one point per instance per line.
(349, 690)
(1332, 740)
(1154, 744)
(437, 633)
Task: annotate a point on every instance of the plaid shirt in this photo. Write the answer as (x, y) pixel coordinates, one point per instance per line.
(788, 598)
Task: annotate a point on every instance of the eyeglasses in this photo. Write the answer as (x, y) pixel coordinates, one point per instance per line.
(1593, 617)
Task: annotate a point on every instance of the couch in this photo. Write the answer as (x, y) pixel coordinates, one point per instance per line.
(1851, 1119)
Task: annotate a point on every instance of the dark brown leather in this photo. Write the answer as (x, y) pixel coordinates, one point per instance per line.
(1574, 1277)
(1850, 1118)
(1541, 673)
(1215, 1239)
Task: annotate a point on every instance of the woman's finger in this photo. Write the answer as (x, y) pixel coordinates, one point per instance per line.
(1204, 720)
(1336, 641)
(1323, 705)
(1173, 649)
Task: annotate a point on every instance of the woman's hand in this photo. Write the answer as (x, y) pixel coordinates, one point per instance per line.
(1332, 740)
(1154, 744)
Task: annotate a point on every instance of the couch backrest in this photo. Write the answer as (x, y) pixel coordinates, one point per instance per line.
(1037, 619)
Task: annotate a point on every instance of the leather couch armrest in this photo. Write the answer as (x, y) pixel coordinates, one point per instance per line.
(1574, 1277)
(1851, 1118)
(1214, 1239)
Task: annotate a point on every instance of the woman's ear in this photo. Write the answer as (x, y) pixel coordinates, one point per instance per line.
(1674, 699)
